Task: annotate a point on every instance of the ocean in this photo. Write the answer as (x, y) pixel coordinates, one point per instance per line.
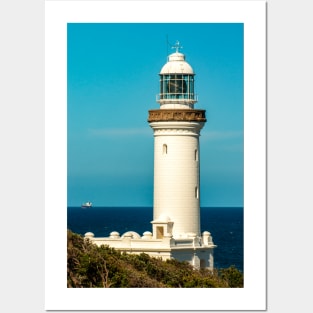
(224, 224)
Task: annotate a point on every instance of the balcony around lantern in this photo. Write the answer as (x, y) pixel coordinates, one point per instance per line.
(183, 98)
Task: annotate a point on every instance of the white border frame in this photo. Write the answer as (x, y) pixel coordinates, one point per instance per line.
(253, 295)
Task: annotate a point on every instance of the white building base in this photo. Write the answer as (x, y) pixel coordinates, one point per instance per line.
(198, 251)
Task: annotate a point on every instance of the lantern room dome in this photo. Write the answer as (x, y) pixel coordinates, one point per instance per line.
(176, 65)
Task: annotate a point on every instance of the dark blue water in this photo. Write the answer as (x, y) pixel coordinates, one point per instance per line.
(224, 224)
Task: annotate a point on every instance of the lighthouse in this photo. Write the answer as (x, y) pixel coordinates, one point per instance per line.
(176, 128)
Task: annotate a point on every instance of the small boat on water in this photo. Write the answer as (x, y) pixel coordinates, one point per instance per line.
(87, 205)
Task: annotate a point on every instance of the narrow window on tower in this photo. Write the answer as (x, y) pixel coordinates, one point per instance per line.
(196, 192)
(164, 149)
(196, 155)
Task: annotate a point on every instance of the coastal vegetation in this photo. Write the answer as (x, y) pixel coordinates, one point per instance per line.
(90, 266)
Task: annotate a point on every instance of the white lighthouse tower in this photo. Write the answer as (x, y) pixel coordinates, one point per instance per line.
(176, 127)
(176, 213)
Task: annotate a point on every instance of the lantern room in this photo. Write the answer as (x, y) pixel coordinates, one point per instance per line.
(177, 83)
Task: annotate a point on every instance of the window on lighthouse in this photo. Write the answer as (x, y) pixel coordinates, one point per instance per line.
(196, 193)
(196, 155)
(164, 149)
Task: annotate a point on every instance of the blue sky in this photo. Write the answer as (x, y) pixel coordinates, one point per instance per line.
(112, 83)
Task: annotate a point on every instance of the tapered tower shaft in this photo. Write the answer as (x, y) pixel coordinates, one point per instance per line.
(176, 127)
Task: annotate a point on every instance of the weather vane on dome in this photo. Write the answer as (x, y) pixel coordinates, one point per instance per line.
(177, 46)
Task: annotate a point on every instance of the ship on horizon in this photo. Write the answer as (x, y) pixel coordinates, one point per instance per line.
(87, 204)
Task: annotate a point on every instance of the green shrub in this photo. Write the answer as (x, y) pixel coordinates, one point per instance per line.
(232, 276)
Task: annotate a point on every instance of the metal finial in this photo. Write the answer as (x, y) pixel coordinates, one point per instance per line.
(177, 46)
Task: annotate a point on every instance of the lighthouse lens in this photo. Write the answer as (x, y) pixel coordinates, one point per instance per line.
(176, 86)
